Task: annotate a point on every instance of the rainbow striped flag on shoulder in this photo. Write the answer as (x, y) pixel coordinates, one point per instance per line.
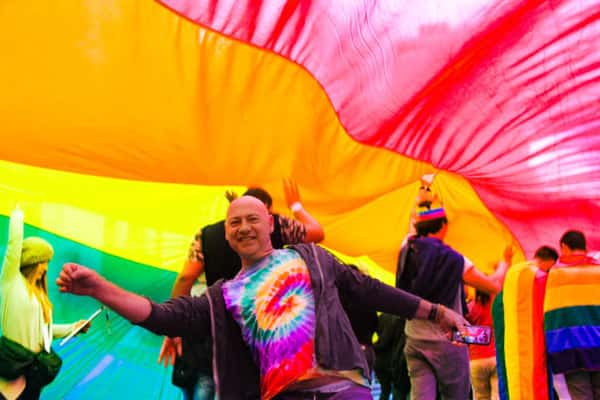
(572, 318)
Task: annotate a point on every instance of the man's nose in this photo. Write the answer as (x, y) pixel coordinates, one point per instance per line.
(244, 226)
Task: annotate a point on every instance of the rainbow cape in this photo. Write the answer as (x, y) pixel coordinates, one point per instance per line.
(572, 318)
(518, 321)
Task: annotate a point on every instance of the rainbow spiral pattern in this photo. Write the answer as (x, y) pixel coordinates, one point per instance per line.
(274, 305)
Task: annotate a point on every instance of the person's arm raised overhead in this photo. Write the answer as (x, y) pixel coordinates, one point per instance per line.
(186, 278)
(12, 257)
(314, 230)
(192, 268)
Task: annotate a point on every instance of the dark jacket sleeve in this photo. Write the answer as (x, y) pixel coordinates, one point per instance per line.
(373, 293)
(181, 316)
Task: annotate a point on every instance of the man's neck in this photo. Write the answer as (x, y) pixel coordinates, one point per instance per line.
(250, 261)
(437, 235)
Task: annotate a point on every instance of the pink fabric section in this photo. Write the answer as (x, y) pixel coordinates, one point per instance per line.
(505, 94)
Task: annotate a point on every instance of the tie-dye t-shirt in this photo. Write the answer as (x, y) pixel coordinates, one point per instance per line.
(274, 305)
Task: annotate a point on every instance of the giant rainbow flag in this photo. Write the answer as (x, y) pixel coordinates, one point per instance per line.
(123, 122)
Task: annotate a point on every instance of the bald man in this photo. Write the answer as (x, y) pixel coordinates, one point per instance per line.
(278, 328)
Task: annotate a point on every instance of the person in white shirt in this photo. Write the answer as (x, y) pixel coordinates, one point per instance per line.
(26, 314)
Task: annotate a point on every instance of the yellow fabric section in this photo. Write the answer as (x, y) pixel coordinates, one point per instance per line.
(518, 340)
(151, 223)
(130, 90)
(572, 286)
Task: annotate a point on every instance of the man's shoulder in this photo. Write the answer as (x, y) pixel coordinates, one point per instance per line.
(216, 289)
(309, 250)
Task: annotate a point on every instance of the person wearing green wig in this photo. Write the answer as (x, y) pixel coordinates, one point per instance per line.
(26, 316)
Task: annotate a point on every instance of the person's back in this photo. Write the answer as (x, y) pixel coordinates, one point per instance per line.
(433, 361)
(582, 367)
(434, 271)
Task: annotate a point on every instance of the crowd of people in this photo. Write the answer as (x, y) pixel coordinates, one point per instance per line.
(282, 317)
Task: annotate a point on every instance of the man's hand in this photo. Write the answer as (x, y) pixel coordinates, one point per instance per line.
(17, 212)
(77, 279)
(425, 192)
(170, 349)
(230, 195)
(427, 179)
(290, 190)
(450, 320)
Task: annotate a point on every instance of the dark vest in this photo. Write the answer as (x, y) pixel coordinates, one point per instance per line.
(220, 261)
(432, 270)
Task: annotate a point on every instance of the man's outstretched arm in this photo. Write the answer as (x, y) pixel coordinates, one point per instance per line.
(82, 281)
(176, 317)
(378, 296)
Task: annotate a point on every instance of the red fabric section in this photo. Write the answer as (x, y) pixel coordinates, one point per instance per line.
(504, 94)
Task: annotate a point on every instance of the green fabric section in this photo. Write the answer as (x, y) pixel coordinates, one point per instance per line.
(115, 359)
(498, 318)
(571, 316)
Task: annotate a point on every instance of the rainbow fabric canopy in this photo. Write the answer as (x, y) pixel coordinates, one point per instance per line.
(123, 122)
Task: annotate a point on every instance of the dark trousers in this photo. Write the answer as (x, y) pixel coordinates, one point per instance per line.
(437, 366)
(584, 385)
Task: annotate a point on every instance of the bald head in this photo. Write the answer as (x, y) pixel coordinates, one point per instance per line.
(248, 228)
(247, 202)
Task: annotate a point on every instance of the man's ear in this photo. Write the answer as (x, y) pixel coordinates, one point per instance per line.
(226, 235)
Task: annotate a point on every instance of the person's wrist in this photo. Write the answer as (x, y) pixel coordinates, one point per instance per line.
(433, 311)
(440, 314)
(296, 206)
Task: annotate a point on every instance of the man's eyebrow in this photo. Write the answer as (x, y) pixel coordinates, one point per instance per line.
(253, 214)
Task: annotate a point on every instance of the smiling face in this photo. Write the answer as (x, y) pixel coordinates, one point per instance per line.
(248, 229)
